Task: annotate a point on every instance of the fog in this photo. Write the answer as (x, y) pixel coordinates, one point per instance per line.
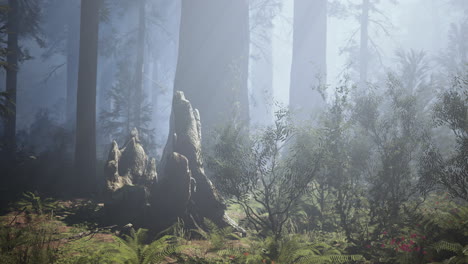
(408, 25)
(309, 130)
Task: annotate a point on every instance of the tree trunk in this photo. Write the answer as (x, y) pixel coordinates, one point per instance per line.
(261, 76)
(308, 69)
(11, 76)
(364, 51)
(212, 65)
(72, 65)
(105, 79)
(153, 85)
(85, 148)
(140, 63)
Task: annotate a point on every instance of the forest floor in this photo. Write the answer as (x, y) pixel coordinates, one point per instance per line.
(37, 230)
(65, 229)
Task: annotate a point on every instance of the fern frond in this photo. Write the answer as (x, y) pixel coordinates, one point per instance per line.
(338, 259)
(212, 227)
(447, 246)
(160, 249)
(230, 251)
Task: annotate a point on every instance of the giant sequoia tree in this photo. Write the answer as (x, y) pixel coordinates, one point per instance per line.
(213, 58)
(61, 27)
(308, 68)
(11, 72)
(73, 26)
(373, 22)
(262, 13)
(140, 58)
(85, 149)
(363, 48)
(21, 21)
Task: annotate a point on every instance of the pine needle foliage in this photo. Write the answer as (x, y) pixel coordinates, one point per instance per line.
(121, 119)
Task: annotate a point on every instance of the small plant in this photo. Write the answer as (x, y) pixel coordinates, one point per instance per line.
(252, 173)
(154, 252)
(178, 230)
(459, 253)
(33, 203)
(216, 235)
(294, 250)
(33, 241)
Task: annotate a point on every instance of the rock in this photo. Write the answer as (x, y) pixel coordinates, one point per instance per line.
(185, 141)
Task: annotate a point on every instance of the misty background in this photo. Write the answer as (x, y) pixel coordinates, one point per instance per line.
(424, 26)
(330, 130)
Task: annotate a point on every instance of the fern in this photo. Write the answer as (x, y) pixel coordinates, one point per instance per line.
(104, 256)
(32, 203)
(320, 253)
(159, 249)
(30, 243)
(177, 229)
(231, 251)
(295, 251)
(244, 255)
(216, 235)
(447, 246)
(332, 259)
(460, 253)
(152, 253)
